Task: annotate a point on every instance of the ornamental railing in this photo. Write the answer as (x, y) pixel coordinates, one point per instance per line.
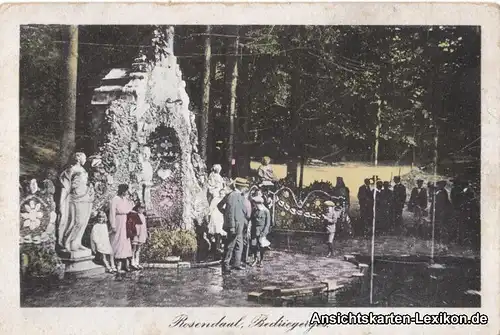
(289, 213)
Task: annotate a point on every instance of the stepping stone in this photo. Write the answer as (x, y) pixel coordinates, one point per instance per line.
(332, 285)
(358, 274)
(254, 296)
(271, 290)
(363, 267)
(304, 290)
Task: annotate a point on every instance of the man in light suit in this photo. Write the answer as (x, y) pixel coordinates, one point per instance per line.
(236, 216)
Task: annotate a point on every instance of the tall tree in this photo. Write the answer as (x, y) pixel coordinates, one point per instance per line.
(205, 109)
(232, 102)
(69, 111)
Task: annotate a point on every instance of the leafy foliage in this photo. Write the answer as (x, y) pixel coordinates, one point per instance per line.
(38, 260)
(163, 243)
(307, 88)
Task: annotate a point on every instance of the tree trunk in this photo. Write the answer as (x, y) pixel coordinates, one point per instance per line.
(212, 134)
(296, 100)
(244, 108)
(377, 131)
(205, 110)
(69, 112)
(232, 106)
(436, 139)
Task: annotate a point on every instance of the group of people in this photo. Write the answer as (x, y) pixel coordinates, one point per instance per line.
(120, 248)
(239, 219)
(387, 203)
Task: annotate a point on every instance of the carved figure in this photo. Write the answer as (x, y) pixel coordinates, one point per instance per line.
(75, 205)
(146, 177)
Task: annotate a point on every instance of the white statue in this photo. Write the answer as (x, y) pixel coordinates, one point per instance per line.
(75, 205)
(146, 177)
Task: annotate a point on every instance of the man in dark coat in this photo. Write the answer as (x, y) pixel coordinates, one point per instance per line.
(340, 190)
(399, 197)
(418, 201)
(236, 216)
(379, 208)
(456, 194)
(442, 205)
(365, 198)
(470, 216)
(386, 199)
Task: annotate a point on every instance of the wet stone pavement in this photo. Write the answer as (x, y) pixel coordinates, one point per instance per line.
(203, 287)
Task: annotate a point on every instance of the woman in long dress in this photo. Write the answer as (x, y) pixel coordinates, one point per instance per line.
(215, 182)
(119, 208)
(216, 221)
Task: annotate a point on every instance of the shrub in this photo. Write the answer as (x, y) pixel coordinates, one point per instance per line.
(163, 243)
(39, 261)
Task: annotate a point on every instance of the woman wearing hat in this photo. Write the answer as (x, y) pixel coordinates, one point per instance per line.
(330, 219)
(261, 221)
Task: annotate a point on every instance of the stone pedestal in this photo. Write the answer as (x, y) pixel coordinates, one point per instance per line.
(80, 264)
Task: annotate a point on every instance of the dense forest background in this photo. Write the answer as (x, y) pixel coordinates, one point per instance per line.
(352, 93)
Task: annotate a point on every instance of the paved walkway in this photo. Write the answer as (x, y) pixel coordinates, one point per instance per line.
(190, 287)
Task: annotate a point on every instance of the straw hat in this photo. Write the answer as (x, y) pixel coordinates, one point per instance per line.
(329, 203)
(241, 182)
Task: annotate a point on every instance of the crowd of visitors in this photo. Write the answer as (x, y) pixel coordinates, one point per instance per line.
(456, 217)
(239, 219)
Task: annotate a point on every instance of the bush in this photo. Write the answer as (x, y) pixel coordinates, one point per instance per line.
(39, 261)
(163, 243)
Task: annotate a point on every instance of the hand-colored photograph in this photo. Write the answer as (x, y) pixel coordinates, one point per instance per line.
(250, 166)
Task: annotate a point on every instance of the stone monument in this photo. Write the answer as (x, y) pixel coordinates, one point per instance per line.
(146, 137)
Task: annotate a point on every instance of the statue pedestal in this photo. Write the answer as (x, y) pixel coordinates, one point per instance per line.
(80, 264)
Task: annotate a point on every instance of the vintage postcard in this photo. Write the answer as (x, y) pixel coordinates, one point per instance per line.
(322, 167)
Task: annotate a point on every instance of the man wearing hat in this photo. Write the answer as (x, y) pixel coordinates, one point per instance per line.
(418, 201)
(399, 196)
(387, 201)
(236, 216)
(442, 205)
(261, 222)
(365, 198)
(333, 213)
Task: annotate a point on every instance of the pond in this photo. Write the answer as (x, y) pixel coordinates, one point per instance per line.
(410, 282)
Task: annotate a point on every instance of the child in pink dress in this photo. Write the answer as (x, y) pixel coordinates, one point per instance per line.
(140, 238)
